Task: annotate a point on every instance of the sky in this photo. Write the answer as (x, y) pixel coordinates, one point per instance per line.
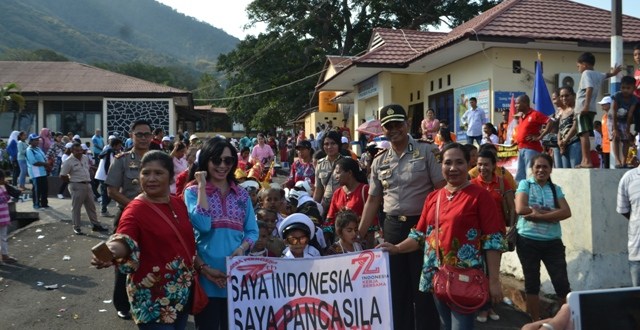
(231, 16)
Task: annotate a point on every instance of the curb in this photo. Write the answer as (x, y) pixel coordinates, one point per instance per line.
(513, 289)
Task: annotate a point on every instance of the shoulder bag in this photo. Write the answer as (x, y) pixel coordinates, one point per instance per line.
(464, 290)
(198, 297)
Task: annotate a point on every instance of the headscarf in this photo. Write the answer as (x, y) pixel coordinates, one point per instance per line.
(46, 140)
(13, 137)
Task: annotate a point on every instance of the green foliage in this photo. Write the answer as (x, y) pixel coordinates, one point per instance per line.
(178, 76)
(300, 35)
(209, 89)
(10, 93)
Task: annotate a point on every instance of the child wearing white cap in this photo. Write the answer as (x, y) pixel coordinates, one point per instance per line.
(298, 230)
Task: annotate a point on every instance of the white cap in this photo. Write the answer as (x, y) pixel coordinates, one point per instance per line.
(76, 137)
(250, 184)
(193, 137)
(68, 145)
(606, 100)
(303, 184)
(344, 139)
(384, 144)
(111, 137)
(297, 221)
(84, 146)
(166, 138)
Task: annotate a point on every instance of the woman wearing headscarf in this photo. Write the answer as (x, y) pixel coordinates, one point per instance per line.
(46, 140)
(12, 150)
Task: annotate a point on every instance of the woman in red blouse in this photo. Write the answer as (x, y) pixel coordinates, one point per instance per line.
(503, 194)
(351, 195)
(147, 248)
(469, 229)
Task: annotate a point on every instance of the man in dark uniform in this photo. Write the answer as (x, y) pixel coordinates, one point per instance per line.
(123, 185)
(401, 178)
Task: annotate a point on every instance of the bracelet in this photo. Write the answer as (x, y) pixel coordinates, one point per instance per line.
(199, 268)
(547, 326)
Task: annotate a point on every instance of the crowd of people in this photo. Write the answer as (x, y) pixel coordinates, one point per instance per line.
(185, 203)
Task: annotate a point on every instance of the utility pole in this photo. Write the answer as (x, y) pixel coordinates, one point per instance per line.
(616, 42)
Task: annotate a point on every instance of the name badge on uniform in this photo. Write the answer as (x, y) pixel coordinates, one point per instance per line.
(133, 165)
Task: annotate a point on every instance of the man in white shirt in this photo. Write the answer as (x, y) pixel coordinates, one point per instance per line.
(628, 204)
(474, 118)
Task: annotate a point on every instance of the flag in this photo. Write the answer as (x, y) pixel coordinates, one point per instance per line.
(541, 97)
(512, 108)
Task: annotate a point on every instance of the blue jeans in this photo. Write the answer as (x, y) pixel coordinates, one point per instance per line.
(179, 324)
(524, 161)
(572, 156)
(452, 320)
(23, 172)
(634, 269)
(478, 139)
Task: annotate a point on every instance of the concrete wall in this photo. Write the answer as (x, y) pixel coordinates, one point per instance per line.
(595, 236)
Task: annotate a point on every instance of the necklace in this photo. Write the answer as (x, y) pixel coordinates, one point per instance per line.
(455, 191)
(175, 216)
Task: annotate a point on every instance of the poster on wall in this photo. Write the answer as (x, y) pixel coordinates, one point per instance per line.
(346, 291)
(461, 97)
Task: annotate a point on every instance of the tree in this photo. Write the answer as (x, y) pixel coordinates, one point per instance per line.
(208, 90)
(300, 33)
(10, 93)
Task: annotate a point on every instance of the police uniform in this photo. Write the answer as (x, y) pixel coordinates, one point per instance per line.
(404, 181)
(124, 173)
(80, 189)
(326, 180)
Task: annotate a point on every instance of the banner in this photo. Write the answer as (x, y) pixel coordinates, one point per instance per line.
(508, 157)
(346, 291)
(461, 96)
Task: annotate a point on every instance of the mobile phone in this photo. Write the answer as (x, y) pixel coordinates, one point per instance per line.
(102, 252)
(605, 309)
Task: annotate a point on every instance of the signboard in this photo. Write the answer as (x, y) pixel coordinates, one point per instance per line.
(346, 291)
(502, 100)
(508, 158)
(368, 88)
(461, 97)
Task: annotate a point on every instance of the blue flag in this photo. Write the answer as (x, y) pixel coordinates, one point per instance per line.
(541, 97)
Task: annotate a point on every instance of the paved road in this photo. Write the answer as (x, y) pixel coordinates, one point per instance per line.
(83, 294)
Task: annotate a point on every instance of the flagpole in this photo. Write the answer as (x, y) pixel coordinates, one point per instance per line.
(616, 43)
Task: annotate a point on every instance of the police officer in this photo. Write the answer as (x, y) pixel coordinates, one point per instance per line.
(401, 178)
(325, 182)
(123, 185)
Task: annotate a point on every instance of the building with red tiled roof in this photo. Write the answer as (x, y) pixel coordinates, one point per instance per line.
(490, 57)
(79, 98)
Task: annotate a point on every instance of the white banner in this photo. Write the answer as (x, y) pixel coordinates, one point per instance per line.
(346, 291)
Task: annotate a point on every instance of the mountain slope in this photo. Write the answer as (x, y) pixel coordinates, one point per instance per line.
(111, 31)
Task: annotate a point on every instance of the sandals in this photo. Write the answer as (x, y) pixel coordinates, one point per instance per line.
(9, 260)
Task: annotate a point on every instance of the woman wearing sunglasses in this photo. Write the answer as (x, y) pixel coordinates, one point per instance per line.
(228, 227)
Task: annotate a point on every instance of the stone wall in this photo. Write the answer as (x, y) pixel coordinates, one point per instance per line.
(122, 113)
(595, 235)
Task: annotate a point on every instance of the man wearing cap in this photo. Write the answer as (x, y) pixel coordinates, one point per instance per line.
(401, 178)
(605, 104)
(194, 140)
(166, 144)
(37, 169)
(123, 186)
(75, 171)
(98, 144)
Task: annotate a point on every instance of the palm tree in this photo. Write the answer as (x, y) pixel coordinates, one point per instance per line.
(11, 93)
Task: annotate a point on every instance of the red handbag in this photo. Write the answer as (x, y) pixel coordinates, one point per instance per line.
(464, 290)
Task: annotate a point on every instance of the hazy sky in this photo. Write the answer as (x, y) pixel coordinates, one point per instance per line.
(231, 15)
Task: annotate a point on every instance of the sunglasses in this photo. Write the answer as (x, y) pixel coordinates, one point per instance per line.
(297, 240)
(227, 161)
(143, 134)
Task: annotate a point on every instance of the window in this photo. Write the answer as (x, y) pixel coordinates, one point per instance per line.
(78, 117)
(25, 120)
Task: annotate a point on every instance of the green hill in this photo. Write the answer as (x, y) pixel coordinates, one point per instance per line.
(112, 31)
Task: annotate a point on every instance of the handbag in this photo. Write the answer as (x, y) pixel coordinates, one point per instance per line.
(464, 290)
(198, 298)
(512, 233)
(550, 140)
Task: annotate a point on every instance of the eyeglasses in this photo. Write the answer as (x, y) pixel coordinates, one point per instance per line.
(297, 240)
(142, 134)
(227, 161)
